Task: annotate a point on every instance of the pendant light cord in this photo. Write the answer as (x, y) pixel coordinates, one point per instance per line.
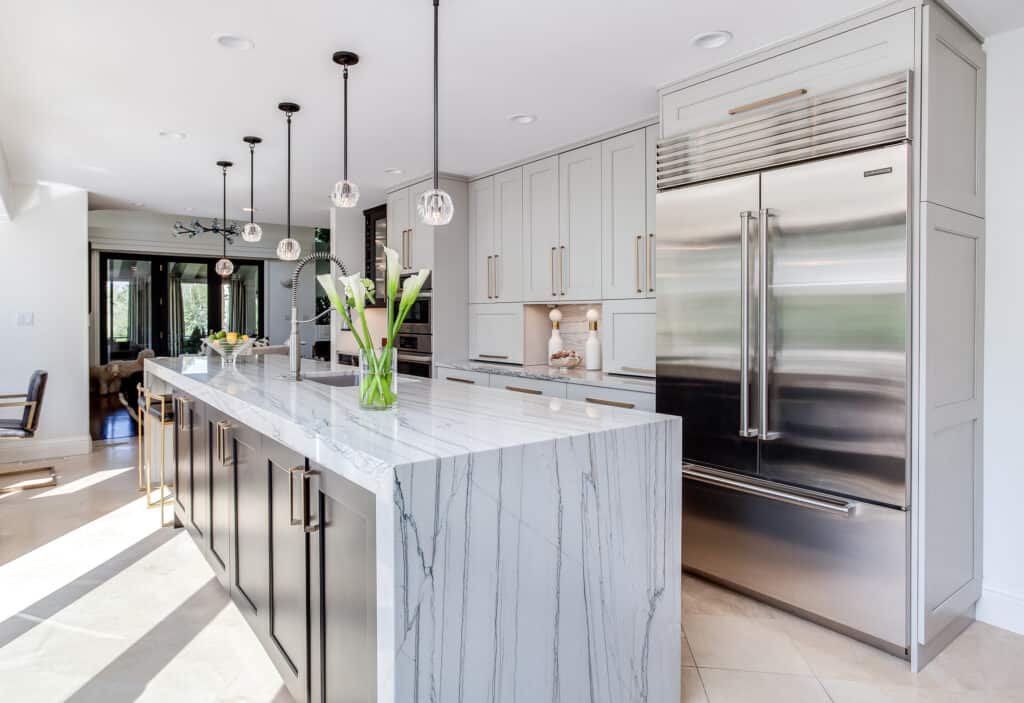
(345, 74)
(288, 216)
(436, 3)
(252, 181)
(224, 209)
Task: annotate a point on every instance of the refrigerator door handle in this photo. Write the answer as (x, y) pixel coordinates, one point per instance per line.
(762, 325)
(829, 505)
(745, 429)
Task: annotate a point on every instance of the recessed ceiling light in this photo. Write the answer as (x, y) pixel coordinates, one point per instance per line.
(139, 204)
(523, 119)
(234, 41)
(394, 171)
(171, 134)
(711, 40)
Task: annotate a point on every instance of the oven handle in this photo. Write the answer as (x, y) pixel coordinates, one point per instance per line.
(416, 357)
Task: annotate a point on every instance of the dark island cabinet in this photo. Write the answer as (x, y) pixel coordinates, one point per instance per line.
(292, 542)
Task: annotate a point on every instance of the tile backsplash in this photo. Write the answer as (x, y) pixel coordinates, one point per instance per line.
(574, 324)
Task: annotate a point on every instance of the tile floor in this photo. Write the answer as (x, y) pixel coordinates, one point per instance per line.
(101, 604)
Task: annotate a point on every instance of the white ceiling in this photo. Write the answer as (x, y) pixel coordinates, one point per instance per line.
(87, 86)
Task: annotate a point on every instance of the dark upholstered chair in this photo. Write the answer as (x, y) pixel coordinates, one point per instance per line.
(25, 427)
(32, 401)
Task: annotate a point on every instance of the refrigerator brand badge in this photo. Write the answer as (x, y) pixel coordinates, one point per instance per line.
(878, 172)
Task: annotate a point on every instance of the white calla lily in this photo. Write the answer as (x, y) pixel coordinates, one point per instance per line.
(355, 291)
(394, 268)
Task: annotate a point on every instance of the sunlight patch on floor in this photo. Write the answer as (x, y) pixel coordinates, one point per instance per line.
(80, 484)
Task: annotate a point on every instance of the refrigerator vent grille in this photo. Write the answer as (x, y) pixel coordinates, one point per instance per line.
(865, 115)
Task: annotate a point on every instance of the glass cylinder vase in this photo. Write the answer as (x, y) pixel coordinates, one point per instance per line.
(378, 379)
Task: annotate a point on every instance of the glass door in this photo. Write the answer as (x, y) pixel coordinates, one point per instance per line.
(188, 306)
(240, 300)
(128, 308)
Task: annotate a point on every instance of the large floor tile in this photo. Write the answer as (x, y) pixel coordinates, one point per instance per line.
(726, 686)
(702, 597)
(693, 688)
(748, 644)
(687, 653)
(862, 692)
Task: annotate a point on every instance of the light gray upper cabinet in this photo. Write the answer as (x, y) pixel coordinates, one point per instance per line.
(651, 177)
(399, 221)
(578, 269)
(496, 238)
(540, 230)
(953, 124)
(481, 239)
(625, 245)
(420, 247)
(507, 266)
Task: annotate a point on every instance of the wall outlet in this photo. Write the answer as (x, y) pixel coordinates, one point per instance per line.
(26, 319)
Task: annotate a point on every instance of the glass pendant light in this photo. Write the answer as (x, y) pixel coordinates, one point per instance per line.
(252, 232)
(435, 206)
(346, 193)
(224, 267)
(289, 249)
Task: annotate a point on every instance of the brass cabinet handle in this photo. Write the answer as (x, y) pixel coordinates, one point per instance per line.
(496, 276)
(636, 259)
(531, 391)
(768, 101)
(613, 403)
(561, 267)
(182, 424)
(291, 494)
(222, 442)
(553, 249)
(458, 380)
(493, 356)
(489, 296)
(409, 265)
(650, 262)
(307, 526)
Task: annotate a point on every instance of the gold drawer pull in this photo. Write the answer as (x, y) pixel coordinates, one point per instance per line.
(517, 389)
(613, 403)
(493, 356)
(768, 101)
(458, 380)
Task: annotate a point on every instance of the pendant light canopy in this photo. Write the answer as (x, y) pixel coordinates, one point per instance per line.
(289, 249)
(346, 193)
(224, 267)
(252, 232)
(435, 206)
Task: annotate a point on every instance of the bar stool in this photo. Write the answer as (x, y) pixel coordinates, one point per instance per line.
(156, 423)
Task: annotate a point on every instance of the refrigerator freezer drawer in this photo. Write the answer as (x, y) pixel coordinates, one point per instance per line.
(843, 561)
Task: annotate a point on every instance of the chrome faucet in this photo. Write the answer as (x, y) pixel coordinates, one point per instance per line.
(294, 350)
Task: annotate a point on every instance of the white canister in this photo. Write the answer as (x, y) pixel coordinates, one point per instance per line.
(592, 348)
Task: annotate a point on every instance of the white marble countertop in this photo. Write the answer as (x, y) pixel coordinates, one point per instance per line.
(433, 419)
(543, 372)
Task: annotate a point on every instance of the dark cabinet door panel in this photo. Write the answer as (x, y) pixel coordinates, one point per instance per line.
(249, 562)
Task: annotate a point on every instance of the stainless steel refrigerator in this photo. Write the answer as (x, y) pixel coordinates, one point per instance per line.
(783, 328)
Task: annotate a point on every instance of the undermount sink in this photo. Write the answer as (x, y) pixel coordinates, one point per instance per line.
(339, 380)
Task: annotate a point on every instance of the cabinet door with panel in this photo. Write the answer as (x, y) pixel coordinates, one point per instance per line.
(628, 343)
(624, 216)
(220, 487)
(199, 475)
(249, 532)
(953, 128)
(287, 562)
(540, 230)
(610, 397)
(481, 240)
(343, 586)
(507, 266)
(399, 222)
(579, 212)
(420, 248)
(496, 332)
(651, 194)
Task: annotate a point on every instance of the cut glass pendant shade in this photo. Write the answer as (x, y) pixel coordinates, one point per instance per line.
(224, 268)
(345, 194)
(252, 232)
(288, 249)
(435, 207)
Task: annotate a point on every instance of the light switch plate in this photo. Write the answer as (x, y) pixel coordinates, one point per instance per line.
(26, 319)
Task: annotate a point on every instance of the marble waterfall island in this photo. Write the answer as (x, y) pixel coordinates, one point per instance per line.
(472, 545)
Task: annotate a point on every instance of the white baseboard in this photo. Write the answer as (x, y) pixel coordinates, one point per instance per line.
(12, 450)
(1002, 609)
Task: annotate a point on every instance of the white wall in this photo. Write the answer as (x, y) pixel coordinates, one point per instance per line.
(1002, 601)
(44, 274)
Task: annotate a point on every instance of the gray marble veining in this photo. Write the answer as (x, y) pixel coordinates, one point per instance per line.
(543, 372)
(526, 551)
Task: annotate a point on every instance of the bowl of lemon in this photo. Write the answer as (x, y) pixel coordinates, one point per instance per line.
(230, 345)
